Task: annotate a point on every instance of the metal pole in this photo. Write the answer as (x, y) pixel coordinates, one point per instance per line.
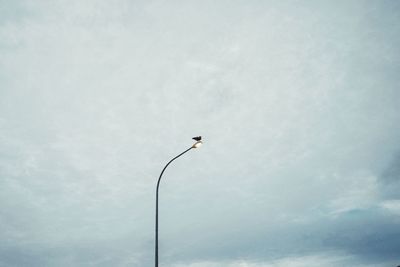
(158, 185)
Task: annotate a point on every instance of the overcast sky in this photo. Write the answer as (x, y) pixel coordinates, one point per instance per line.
(297, 102)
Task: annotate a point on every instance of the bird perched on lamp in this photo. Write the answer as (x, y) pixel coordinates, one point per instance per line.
(197, 138)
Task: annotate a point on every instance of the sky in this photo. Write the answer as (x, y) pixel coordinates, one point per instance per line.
(297, 102)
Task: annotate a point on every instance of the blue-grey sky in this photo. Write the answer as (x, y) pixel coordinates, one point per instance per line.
(297, 101)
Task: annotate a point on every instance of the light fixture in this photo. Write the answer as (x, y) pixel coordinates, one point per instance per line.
(197, 144)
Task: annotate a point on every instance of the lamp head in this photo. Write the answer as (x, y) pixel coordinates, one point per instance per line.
(197, 144)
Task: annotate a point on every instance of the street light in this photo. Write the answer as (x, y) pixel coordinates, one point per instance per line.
(195, 145)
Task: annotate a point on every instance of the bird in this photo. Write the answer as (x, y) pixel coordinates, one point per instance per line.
(197, 138)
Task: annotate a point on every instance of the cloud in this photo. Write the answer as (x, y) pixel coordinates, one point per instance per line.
(392, 206)
(297, 104)
(309, 261)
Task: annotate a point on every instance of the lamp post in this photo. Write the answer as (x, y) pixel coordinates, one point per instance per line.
(195, 145)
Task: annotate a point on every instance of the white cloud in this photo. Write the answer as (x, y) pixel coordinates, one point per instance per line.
(303, 261)
(392, 206)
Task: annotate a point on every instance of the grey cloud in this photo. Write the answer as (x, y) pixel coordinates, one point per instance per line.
(297, 102)
(390, 178)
